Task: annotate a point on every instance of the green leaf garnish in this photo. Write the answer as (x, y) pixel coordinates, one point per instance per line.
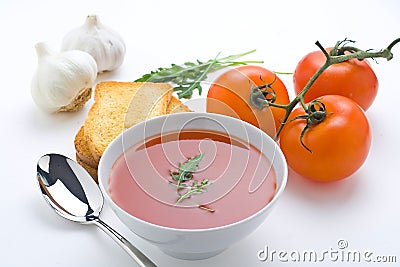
(185, 174)
(186, 169)
(196, 188)
(188, 76)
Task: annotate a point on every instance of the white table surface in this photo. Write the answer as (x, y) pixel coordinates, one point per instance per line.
(362, 210)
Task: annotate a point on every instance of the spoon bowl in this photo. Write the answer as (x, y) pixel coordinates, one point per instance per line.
(74, 195)
(69, 189)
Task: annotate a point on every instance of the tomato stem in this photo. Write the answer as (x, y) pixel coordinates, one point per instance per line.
(337, 55)
(393, 44)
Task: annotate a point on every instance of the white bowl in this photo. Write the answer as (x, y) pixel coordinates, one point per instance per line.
(193, 243)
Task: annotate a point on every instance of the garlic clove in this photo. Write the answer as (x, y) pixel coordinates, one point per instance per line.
(62, 81)
(105, 45)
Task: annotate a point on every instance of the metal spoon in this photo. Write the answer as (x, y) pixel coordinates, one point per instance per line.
(73, 194)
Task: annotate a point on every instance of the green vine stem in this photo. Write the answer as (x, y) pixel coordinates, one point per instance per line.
(337, 55)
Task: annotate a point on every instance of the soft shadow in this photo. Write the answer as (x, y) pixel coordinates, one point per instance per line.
(42, 120)
(45, 215)
(318, 192)
(105, 76)
(113, 75)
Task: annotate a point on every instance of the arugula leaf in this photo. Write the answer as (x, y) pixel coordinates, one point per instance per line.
(188, 76)
(191, 164)
(186, 169)
(185, 174)
(196, 188)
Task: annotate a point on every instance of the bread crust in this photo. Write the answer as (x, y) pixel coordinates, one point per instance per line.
(91, 170)
(82, 150)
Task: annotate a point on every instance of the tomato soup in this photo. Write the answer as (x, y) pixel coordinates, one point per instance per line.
(238, 180)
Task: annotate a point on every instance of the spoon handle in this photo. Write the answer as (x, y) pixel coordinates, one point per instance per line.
(135, 253)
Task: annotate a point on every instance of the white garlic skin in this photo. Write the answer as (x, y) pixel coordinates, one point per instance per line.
(104, 44)
(60, 77)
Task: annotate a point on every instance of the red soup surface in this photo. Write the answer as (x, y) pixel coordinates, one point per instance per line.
(241, 180)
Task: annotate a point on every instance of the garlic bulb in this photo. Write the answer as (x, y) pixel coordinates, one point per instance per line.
(62, 81)
(105, 45)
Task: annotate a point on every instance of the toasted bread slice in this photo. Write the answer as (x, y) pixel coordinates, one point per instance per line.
(120, 105)
(82, 150)
(176, 106)
(91, 170)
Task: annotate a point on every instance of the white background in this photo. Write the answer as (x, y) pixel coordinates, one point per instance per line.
(363, 209)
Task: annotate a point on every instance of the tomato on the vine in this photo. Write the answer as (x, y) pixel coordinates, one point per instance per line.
(230, 95)
(354, 79)
(339, 144)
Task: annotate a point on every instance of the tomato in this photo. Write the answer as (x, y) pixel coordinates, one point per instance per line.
(339, 144)
(354, 79)
(230, 94)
